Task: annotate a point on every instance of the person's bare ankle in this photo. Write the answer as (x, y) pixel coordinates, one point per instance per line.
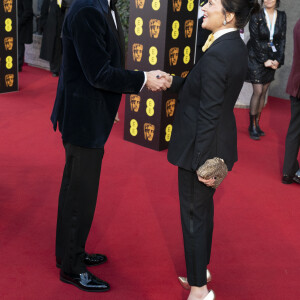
(198, 293)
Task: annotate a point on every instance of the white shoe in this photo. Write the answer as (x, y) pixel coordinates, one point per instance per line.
(183, 280)
(210, 296)
(208, 276)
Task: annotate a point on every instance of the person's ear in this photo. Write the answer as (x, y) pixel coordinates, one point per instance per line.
(229, 17)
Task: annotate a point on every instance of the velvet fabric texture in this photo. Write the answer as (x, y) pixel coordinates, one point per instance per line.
(204, 125)
(91, 81)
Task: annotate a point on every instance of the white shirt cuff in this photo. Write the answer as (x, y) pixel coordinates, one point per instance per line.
(144, 81)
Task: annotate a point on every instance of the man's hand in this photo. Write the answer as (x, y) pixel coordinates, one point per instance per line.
(209, 182)
(158, 81)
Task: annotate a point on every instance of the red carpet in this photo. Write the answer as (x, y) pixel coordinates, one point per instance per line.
(256, 246)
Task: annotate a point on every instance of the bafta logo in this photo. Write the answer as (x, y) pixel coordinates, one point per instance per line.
(9, 80)
(170, 107)
(137, 52)
(184, 74)
(173, 56)
(177, 5)
(7, 5)
(139, 4)
(149, 131)
(188, 28)
(154, 26)
(8, 43)
(135, 102)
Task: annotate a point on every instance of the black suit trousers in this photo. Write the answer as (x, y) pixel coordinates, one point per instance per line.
(292, 142)
(77, 203)
(197, 214)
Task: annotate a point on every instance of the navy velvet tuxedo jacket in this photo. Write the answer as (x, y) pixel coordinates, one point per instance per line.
(91, 80)
(204, 126)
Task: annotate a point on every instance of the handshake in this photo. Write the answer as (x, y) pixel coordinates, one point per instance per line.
(158, 81)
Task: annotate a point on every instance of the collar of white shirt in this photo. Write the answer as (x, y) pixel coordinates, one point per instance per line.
(108, 3)
(222, 32)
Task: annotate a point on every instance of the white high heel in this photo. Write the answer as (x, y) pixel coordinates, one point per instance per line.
(183, 280)
(210, 296)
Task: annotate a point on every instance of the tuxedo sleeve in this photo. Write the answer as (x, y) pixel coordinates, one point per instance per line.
(212, 91)
(89, 31)
(176, 84)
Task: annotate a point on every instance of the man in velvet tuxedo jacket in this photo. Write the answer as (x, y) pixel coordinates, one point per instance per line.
(91, 83)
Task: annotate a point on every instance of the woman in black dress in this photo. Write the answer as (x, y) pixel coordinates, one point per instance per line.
(266, 54)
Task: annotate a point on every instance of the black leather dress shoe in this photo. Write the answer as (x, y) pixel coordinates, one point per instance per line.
(90, 260)
(286, 179)
(85, 281)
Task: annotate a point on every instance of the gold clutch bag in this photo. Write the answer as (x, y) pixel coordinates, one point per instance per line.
(213, 168)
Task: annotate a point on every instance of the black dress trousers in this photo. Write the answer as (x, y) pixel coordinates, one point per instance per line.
(197, 214)
(77, 203)
(292, 141)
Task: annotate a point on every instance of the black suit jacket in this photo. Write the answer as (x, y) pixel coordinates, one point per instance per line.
(204, 125)
(25, 21)
(91, 81)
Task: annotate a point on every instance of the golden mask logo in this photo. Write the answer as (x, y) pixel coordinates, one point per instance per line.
(188, 28)
(7, 5)
(170, 107)
(137, 52)
(139, 4)
(154, 27)
(135, 102)
(9, 80)
(149, 131)
(184, 74)
(177, 5)
(8, 43)
(173, 55)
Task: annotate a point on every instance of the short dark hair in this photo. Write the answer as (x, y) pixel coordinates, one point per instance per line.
(277, 3)
(243, 9)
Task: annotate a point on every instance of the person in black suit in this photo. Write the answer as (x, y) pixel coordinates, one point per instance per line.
(291, 171)
(52, 17)
(25, 28)
(266, 54)
(204, 127)
(91, 83)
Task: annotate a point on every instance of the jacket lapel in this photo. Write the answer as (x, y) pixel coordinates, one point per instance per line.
(118, 33)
